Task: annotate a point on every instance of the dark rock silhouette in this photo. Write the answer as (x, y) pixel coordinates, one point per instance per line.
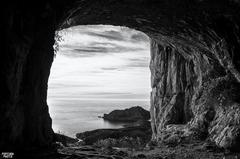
(132, 114)
(140, 129)
(194, 65)
(64, 139)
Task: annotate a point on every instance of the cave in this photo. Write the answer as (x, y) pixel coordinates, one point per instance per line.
(194, 65)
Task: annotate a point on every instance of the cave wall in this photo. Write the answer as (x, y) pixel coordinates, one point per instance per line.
(26, 57)
(173, 82)
(194, 65)
(193, 98)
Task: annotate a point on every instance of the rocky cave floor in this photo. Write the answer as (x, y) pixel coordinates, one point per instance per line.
(197, 150)
(132, 142)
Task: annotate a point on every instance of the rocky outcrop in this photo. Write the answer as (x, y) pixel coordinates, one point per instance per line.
(64, 139)
(194, 64)
(195, 96)
(140, 130)
(132, 114)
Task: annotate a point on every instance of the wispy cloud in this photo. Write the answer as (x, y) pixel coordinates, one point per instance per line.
(98, 48)
(101, 62)
(106, 39)
(109, 35)
(109, 68)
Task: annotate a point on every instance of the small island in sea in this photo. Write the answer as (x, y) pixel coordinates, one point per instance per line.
(132, 114)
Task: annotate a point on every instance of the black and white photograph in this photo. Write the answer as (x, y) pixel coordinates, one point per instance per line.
(120, 79)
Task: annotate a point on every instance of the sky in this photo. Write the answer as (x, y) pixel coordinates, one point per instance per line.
(101, 62)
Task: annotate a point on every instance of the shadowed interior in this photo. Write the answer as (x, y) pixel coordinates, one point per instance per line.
(194, 64)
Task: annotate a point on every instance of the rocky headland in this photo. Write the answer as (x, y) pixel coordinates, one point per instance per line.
(132, 114)
(137, 126)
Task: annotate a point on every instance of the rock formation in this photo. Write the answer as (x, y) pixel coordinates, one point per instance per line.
(132, 114)
(196, 92)
(141, 130)
(194, 64)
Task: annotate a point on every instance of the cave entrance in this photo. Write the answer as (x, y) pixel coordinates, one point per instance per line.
(97, 69)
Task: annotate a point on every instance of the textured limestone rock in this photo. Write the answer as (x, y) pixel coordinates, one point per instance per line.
(196, 93)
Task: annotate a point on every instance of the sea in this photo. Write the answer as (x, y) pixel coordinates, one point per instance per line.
(71, 116)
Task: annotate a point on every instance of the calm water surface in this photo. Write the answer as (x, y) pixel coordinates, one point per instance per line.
(71, 116)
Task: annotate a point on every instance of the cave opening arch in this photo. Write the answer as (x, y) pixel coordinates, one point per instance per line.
(97, 65)
(195, 32)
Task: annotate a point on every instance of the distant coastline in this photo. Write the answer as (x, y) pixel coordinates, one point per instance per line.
(74, 116)
(137, 129)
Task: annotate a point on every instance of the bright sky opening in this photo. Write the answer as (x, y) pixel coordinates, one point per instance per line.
(101, 62)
